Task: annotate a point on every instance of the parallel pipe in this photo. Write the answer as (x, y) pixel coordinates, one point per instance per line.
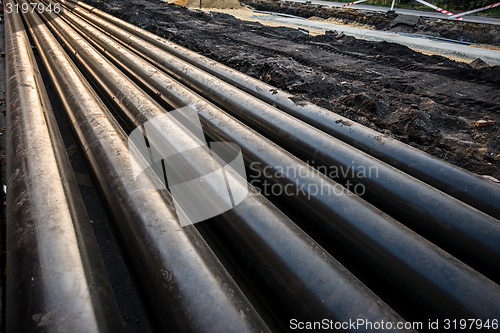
(442, 219)
(184, 284)
(342, 219)
(262, 234)
(457, 182)
(56, 279)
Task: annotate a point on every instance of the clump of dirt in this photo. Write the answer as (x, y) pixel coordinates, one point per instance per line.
(458, 30)
(429, 102)
(479, 64)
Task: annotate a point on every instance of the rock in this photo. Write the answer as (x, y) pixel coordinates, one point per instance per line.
(482, 123)
(331, 32)
(339, 36)
(479, 64)
(410, 20)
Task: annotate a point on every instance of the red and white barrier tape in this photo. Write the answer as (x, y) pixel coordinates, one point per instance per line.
(477, 10)
(353, 3)
(440, 9)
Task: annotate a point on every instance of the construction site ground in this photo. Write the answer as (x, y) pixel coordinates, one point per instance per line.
(447, 108)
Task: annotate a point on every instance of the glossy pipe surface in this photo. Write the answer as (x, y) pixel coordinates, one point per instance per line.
(444, 220)
(286, 283)
(56, 280)
(457, 182)
(323, 208)
(182, 281)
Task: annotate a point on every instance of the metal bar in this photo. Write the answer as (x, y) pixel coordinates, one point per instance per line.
(440, 9)
(433, 214)
(256, 227)
(343, 220)
(186, 287)
(353, 3)
(435, 38)
(56, 280)
(457, 182)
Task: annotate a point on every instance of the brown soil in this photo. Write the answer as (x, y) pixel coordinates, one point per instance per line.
(429, 102)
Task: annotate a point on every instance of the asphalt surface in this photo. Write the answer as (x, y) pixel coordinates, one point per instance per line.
(407, 11)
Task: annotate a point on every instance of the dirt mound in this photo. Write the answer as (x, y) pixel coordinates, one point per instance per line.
(221, 4)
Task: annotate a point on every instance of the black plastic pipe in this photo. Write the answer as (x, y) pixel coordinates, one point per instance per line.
(444, 220)
(184, 284)
(308, 285)
(343, 220)
(56, 279)
(457, 182)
